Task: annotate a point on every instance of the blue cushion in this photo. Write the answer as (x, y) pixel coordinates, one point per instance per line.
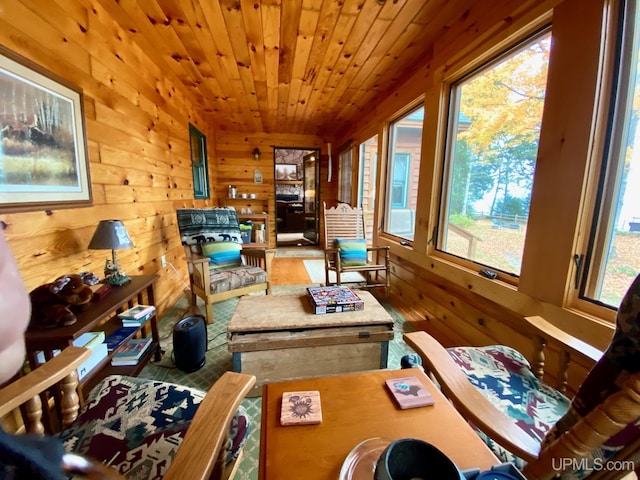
(222, 254)
(352, 252)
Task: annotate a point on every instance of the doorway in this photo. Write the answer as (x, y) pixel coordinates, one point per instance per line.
(297, 176)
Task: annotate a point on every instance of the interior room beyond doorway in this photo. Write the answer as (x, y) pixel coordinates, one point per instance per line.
(296, 177)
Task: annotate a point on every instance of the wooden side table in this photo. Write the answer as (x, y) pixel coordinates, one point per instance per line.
(101, 315)
(355, 408)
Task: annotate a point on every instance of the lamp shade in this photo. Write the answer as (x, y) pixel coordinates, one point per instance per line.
(110, 235)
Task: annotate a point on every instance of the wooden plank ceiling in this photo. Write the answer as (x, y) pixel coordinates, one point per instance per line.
(287, 66)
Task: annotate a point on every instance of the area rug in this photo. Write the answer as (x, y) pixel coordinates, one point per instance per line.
(218, 360)
(299, 252)
(315, 269)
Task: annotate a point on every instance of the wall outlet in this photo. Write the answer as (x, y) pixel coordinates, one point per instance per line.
(163, 261)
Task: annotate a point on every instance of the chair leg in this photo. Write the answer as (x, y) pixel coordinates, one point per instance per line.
(208, 311)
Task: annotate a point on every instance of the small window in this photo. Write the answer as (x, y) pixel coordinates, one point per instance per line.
(368, 163)
(345, 175)
(367, 166)
(613, 258)
(199, 163)
(494, 129)
(405, 147)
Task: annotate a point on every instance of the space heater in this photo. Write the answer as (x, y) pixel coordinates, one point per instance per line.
(190, 343)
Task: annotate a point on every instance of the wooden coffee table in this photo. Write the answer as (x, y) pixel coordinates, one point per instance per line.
(357, 407)
(277, 337)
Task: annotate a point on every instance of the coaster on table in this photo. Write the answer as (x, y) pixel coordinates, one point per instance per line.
(301, 408)
(409, 392)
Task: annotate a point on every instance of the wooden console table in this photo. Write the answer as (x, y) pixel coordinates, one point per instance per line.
(101, 315)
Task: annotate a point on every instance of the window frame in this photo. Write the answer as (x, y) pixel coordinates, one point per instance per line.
(603, 173)
(199, 164)
(451, 104)
(345, 173)
(389, 144)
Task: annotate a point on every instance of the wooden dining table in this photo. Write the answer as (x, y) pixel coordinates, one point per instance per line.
(357, 407)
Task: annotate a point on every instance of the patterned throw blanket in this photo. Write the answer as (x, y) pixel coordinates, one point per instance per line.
(204, 225)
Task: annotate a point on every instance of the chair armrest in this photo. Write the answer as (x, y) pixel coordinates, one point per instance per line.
(196, 259)
(377, 249)
(568, 342)
(207, 432)
(35, 382)
(258, 252)
(468, 401)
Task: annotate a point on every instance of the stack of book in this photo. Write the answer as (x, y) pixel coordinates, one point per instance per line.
(136, 316)
(131, 352)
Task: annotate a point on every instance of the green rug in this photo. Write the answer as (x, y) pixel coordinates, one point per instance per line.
(218, 360)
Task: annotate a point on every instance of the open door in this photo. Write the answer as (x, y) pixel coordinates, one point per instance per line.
(311, 169)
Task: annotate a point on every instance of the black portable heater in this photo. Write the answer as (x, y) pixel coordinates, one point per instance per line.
(190, 343)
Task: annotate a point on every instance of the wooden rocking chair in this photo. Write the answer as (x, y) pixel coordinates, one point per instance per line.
(596, 435)
(346, 250)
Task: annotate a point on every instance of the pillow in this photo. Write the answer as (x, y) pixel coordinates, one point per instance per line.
(352, 252)
(222, 254)
(621, 359)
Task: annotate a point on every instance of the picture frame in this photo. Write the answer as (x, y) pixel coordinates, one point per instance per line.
(286, 171)
(44, 162)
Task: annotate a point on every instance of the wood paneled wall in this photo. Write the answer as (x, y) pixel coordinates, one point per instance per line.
(137, 120)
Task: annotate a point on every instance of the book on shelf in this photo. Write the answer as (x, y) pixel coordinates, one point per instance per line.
(301, 408)
(136, 322)
(91, 340)
(409, 392)
(334, 299)
(137, 312)
(131, 352)
(118, 337)
(98, 354)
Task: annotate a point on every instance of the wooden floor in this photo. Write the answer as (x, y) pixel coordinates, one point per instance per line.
(289, 271)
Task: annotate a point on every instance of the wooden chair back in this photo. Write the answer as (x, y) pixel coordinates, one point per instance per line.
(342, 221)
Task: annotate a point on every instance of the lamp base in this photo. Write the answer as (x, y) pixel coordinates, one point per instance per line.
(116, 279)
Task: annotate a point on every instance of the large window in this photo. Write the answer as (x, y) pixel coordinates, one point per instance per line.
(494, 128)
(405, 145)
(613, 258)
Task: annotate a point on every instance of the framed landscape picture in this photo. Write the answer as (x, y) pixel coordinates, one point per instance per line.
(286, 171)
(43, 154)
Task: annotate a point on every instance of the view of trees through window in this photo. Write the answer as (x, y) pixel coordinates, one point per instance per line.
(495, 117)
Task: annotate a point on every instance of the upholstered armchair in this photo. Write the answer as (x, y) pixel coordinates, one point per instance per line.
(131, 427)
(219, 267)
(529, 423)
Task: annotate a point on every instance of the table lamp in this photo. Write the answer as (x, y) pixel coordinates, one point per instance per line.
(111, 235)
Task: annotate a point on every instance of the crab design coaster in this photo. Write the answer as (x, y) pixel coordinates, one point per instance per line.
(301, 408)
